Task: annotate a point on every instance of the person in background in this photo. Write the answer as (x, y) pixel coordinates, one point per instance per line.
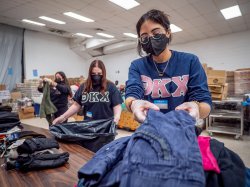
(59, 93)
(164, 79)
(98, 96)
(116, 83)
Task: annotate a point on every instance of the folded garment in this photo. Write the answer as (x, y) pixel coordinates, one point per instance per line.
(24, 135)
(36, 162)
(8, 120)
(37, 144)
(5, 109)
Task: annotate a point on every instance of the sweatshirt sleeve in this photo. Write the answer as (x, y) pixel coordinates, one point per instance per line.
(134, 85)
(197, 85)
(63, 88)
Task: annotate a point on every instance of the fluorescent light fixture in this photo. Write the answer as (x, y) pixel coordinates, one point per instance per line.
(127, 4)
(231, 12)
(175, 28)
(51, 20)
(77, 16)
(130, 35)
(33, 22)
(84, 35)
(105, 35)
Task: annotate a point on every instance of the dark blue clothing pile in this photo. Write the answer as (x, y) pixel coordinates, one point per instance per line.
(162, 152)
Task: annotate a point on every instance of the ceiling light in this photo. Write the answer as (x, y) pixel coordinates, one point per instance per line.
(127, 4)
(130, 35)
(231, 12)
(52, 20)
(84, 35)
(33, 22)
(175, 28)
(77, 16)
(105, 35)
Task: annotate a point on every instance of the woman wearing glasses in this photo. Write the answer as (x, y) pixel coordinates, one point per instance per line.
(164, 79)
(98, 96)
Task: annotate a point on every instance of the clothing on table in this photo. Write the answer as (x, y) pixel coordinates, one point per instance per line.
(97, 105)
(8, 120)
(208, 160)
(172, 157)
(184, 80)
(232, 168)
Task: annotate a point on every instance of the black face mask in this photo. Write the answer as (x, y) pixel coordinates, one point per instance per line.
(58, 80)
(156, 46)
(96, 79)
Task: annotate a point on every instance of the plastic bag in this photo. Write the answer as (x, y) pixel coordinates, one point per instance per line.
(89, 134)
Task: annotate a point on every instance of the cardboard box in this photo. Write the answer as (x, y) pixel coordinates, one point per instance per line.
(221, 96)
(217, 73)
(29, 109)
(216, 80)
(215, 88)
(25, 115)
(127, 121)
(2, 87)
(216, 77)
(15, 95)
(243, 75)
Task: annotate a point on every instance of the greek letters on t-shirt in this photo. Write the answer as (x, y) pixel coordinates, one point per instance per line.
(158, 87)
(95, 97)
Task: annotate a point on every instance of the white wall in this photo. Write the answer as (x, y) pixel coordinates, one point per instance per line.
(228, 52)
(118, 62)
(49, 54)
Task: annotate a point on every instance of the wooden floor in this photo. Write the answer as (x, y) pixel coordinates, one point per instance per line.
(65, 176)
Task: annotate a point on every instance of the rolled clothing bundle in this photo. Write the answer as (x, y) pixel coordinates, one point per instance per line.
(38, 161)
(37, 144)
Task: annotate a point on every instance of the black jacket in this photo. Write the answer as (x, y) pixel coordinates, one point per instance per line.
(59, 95)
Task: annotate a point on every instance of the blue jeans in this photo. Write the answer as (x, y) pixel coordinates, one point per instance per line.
(164, 154)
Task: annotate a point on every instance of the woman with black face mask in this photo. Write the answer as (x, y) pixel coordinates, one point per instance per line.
(59, 93)
(164, 79)
(98, 96)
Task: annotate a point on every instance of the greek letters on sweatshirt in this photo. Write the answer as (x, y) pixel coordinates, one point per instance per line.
(184, 80)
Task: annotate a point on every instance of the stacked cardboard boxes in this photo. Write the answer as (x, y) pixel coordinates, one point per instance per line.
(217, 84)
(4, 95)
(2, 87)
(242, 81)
(230, 81)
(29, 88)
(127, 121)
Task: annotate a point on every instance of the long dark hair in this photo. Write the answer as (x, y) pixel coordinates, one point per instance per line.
(156, 16)
(89, 83)
(65, 81)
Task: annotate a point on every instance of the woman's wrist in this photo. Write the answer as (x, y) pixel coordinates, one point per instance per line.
(63, 118)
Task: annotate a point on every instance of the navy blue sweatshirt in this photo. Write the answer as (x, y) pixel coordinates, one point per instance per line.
(184, 80)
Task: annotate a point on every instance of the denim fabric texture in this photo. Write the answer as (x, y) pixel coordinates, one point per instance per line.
(162, 152)
(103, 163)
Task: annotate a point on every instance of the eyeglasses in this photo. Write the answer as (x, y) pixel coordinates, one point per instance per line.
(144, 39)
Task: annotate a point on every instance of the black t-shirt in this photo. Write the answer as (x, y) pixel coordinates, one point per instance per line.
(97, 105)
